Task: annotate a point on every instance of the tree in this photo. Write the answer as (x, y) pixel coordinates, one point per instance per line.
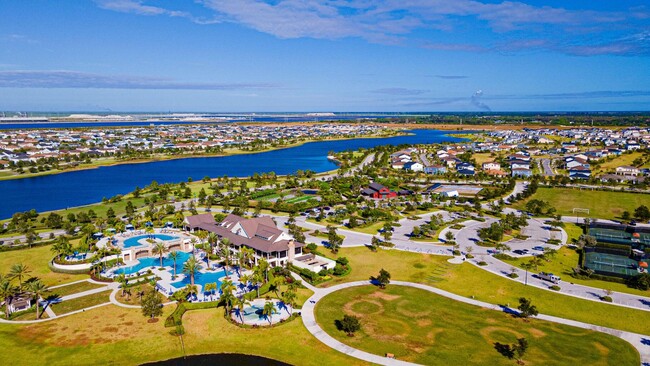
(333, 239)
(37, 289)
(268, 310)
(626, 215)
(227, 297)
(387, 231)
(174, 256)
(19, 271)
(350, 324)
(449, 236)
(520, 348)
(383, 279)
(240, 304)
(7, 292)
(152, 305)
(123, 281)
(641, 282)
(159, 249)
(526, 308)
(190, 267)
(642, 213)
(62, 246)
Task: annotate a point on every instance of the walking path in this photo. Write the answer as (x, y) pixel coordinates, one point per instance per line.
(639, 341)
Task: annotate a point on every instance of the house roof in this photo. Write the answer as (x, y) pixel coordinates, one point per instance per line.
(196, 220)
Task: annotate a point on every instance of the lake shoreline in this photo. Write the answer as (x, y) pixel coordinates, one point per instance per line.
(178, 157)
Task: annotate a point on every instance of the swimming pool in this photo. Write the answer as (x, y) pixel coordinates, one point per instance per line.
(133, 242)
(201, 278)
(155, 262)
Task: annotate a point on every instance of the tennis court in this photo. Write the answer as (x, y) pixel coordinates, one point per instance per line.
(610, 263)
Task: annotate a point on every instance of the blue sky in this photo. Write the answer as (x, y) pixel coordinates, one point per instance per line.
(333, 55)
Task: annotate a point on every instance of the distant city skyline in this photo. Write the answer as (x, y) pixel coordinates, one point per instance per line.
(329, 56)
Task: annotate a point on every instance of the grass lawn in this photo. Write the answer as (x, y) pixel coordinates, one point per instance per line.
(74, 288)
(425, 328)
(36, 259)
(573, 232)
(623, 159)
(482, 158)
(601, 204)
(119, 336)
(81, 302)
(31, 315)
(372, 229)
(468, 280)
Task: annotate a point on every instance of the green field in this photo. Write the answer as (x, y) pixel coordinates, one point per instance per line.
(111, 335)
(74, 288)
(601, 204)
(425, 328)
(79, 303)
(36, 259)
(624, 159)
(468, 280)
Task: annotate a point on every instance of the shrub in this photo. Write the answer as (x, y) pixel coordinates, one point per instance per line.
(482, 263)
(555, 288)
(606, 298)
(504, 257)
(339, 270)
(456, 252)
(513, 275)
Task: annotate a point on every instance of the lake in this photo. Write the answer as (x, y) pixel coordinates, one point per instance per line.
(220, 359)
(76, 188)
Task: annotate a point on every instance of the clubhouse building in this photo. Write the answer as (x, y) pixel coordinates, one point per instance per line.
(259, 233)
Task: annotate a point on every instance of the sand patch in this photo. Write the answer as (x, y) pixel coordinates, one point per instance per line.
(384, 296)
(604, 351)
(536, 333)
(488, 331)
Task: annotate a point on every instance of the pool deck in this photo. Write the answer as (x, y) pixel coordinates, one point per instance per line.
(283, 313)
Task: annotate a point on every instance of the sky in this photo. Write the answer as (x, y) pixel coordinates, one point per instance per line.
(324, 56)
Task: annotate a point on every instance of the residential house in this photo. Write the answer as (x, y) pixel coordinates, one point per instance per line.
(435, 169)
(491, 165)
(414, 166)
(628, 170)
(378, 191)
(521, 172)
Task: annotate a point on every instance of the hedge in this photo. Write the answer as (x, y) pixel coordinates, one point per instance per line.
(176, 318)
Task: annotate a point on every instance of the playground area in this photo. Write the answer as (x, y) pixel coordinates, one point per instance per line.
(611, 264)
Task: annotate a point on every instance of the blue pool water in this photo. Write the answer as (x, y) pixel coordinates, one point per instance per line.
(155, 262)
(201, 278)
(133, 242)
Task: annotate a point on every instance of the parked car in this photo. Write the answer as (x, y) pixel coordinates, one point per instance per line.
(541, 249)
(549, 277)
(519, 251)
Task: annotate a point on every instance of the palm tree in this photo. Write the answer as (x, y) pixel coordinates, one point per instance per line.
(227, 297)
(7, 292)
(191, 267)
(159, 249)
(62, 246)
(212, 240)
(269, 309)
(263, 267)
(37, 289)
(149, 230)
(174, 256)
(122, 280)
(258, 279)
(240, 304)
(19, 271)
(249, 254)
